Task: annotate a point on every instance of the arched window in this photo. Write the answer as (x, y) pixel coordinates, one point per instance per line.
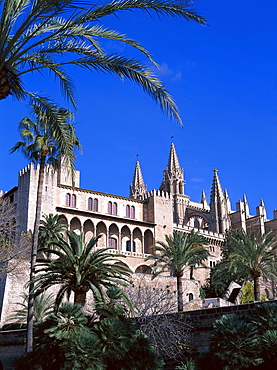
(73, 200)
(95, 205)
(190, 297)
(115, 209)
(110, 208)
(113, 243)
(90, 204)
(128, 246)
(67, 200)
(132, 214)
(127, 211)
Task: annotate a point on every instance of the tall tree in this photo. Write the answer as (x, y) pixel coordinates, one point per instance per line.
(177, 253)
(255, 255)
(48, 35)
(199, 258)
(78, 267)
(43, 140)
(222, 275)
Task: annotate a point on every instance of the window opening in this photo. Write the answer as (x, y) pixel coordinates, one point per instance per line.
(67, 200)
(90, 204)
(128, 246)
(95, 205)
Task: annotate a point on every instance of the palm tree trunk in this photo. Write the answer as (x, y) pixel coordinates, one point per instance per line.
(5, 80)
(257, 289)
(80, 297)
(180, 293)
(30, 317)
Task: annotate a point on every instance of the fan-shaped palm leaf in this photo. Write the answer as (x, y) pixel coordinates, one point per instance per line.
(256, 255)
(178, 252)
(50, 34)
(79, 267)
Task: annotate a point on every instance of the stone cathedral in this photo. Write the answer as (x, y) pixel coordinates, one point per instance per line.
(131, 225)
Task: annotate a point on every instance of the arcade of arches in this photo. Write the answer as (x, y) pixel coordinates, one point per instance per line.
(130, 241)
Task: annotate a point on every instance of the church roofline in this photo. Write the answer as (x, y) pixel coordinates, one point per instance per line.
(101, 193)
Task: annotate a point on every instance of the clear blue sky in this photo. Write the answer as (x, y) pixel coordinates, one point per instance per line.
(224, 81)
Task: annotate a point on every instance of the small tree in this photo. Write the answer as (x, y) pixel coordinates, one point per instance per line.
(43, 307)
(178, 252)
(76, 266)
(241, 341)
(153, 307)
(51, 228)
(15, 246)
(256, 255)
(69, 340)
(235, 342)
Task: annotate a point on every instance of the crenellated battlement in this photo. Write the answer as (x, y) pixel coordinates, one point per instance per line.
(26, 169)
(206, 233)
(157, 193)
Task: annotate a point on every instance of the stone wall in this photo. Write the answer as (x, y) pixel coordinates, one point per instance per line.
(12, 347)
(202, 321)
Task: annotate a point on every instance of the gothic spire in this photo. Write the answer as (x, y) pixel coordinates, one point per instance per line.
(204, 199)
(218, 207)
(246, 206)
(173, 164)
(228, 202)
(173, 179)
(216, 192)
(137, 187)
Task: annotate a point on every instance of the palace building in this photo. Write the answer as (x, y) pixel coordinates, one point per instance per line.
(131, 225)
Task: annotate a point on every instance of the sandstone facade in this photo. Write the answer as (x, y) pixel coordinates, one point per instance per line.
(131, 225)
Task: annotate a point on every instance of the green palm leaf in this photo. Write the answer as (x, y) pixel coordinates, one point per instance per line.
(32, 30)
(79, 267)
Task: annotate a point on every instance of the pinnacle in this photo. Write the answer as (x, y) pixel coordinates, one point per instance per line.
(137, 188)
(216, 192)
(173, 161)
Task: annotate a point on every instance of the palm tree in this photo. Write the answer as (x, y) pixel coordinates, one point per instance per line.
(256, 256)
(48, 35)
(175, 255)
(235, 342)
(43, 140)
(43, 307)
(51, 228)
(202, 255)
(114, 304)
(79, 267)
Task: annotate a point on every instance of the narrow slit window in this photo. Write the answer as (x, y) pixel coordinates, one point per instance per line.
(90, 204)
(95, 205)
(68, 200)
(132, 214)
(73, 200)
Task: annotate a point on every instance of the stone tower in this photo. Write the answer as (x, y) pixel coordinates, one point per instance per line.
(137, 187)
(173, 179)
